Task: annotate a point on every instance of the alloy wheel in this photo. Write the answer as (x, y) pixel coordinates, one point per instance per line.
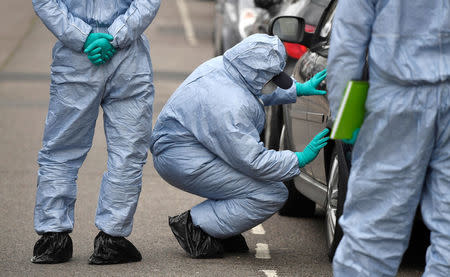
(332, 201)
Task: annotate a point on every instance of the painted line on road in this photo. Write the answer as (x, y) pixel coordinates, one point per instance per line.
(258, 230)
(187, 23)
(270, 273)
(262, 251)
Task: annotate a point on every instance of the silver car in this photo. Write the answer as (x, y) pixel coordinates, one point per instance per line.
(323, 182)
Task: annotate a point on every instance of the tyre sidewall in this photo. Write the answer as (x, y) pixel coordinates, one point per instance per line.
(343, 168)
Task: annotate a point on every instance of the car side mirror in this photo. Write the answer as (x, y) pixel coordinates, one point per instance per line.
(288, 28)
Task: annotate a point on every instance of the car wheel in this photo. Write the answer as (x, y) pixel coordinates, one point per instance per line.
(217, 31)
(274, 125)
(218, 45)
(297, 205)
(337, 189)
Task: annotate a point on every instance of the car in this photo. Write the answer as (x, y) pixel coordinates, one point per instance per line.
(310, 10)
(323, 182)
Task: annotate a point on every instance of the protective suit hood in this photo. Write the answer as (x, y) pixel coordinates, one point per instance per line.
(255, 61)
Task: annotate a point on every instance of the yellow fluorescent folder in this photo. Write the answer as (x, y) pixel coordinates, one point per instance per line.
(351, 112)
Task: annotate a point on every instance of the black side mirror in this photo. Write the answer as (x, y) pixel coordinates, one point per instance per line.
(288, 28)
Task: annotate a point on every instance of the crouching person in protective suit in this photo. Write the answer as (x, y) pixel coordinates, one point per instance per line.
(206, 141)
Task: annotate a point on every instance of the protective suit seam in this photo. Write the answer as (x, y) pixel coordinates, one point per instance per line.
(76, 27)
(240, 78)
(126, 22)
(71, 24)
(201, 76)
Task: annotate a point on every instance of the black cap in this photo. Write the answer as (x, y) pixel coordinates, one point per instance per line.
(282, 80)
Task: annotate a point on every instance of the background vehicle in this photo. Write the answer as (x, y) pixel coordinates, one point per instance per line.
(233, 21)
(323, 181)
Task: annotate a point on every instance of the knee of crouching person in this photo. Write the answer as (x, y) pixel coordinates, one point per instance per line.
(278, 194)
(284, 193)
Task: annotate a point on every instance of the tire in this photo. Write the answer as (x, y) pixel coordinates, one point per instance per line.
(273, 133)
(218, 45)
(419, 241)
(297, 205)
(217, 38)
(337, 190)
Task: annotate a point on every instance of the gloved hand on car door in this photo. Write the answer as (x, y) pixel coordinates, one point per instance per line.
(312, 149)
(309, 87)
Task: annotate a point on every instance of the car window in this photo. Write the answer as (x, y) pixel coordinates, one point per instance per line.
(313, 11)
(310, 10)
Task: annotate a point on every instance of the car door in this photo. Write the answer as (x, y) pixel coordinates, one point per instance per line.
(296, 114)
(309, 115)
(318, 106)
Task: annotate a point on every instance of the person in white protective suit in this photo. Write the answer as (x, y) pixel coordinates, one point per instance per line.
(206, 141)
(401, 157)
(102, 59)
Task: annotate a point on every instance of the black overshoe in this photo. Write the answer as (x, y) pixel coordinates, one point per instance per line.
(53, 248)
(235, 244)
(113, 250)
(193, 239)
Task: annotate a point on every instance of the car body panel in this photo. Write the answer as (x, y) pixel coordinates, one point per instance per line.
(308, 116)
(312, 10)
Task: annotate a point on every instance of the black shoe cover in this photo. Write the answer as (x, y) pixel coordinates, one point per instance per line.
(52, 248)
(194, 240)
(235, 244)
(113, 250)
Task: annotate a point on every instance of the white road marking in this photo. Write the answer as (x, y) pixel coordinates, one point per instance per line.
(270, 273)
(258, 230)
(187, 23)
(262, 251)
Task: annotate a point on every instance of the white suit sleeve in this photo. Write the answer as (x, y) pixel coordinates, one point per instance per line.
(280, 96)
(127, 27)
(232, 135)
(350, 37)
(70, 30)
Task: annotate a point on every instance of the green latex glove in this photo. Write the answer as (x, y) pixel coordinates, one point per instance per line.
(309, 87)
(100, 56)
(353, 139)
(98, 48)
(312, 149)
(94, 36)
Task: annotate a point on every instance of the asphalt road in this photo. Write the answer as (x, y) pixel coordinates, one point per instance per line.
(180, 40)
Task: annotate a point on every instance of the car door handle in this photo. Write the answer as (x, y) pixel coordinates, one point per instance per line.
(299, 115)
(316, 117)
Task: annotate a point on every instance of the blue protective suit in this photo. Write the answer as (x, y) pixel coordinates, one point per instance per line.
(123, 88)
(402, 155)
(206, 139)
